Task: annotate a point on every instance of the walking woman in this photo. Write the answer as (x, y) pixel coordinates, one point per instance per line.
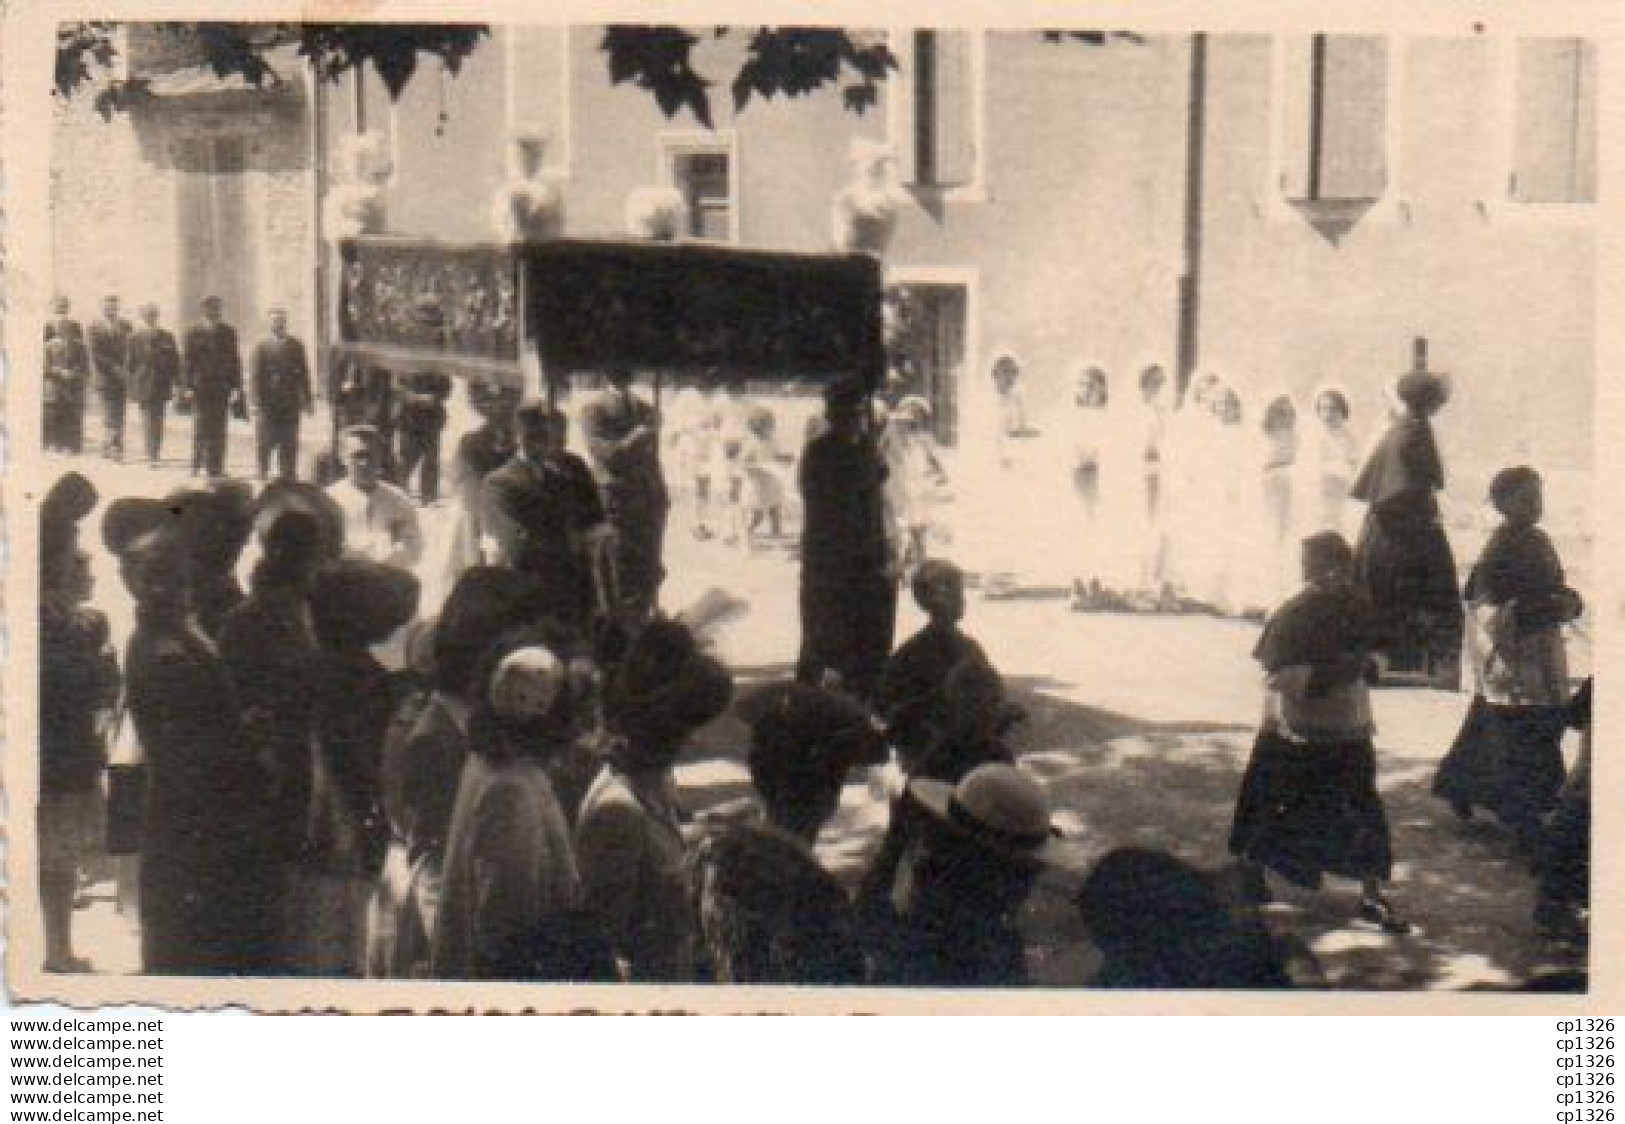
(1508, 757)
(1309, 805)
(1403, 561)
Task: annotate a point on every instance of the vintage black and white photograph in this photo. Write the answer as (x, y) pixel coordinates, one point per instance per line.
(888, 507)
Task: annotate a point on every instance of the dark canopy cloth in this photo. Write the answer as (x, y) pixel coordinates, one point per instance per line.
(720, 315)
(1403, 560)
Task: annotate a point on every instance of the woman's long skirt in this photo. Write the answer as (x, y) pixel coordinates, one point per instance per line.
(1507, 760)
(1307, 810)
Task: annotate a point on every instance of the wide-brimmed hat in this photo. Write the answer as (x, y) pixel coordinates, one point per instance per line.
(1003, 809)
(132, 520)
(358, 601)
(283, 496)
(218, 519)
(526, 684)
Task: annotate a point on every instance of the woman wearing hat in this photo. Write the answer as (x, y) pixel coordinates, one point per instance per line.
(268, 644)
(768, 910)
(424, 752)
(510, 871)
(208, 883)
(78, 685)
(354, 606)
(975, 852)
(1403, 560)
(1508, 757)
(629, 839)
(219, 522)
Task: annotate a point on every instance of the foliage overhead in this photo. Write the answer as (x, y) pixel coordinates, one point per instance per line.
(658, 59)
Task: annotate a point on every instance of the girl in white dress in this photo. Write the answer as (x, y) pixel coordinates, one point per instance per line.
(1091, 434)
(1278, 425)
(1330, 458)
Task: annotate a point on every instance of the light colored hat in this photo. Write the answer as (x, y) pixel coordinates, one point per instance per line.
(1002, 808)
(526, 684)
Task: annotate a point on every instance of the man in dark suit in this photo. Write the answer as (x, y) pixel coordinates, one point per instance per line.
(279, 390)
(421, 402)
(623, 443)
(155, 367)
(213, 376)
(109, 358)
(67, 374)
(548, 520)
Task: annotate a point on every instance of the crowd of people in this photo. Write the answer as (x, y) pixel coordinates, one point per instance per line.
(504, 805)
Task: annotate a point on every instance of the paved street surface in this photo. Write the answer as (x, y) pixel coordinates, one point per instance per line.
(1139, 725)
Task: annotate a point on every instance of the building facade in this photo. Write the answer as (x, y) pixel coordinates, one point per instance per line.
(1345, 194)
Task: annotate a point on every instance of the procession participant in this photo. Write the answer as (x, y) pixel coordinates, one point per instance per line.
(913, 697)
(1230, 525)
(268, 645)
(1188, 496)
(109, 357)
(973, 855)
(1508, 756)
(420, 421)
(1563, 886)
(219, 521)
(67, 374)
(279, 391)
(1308, 804)
(1152, 424)
(1160, 924)
(365, 395)
(1280, 454)
(154, 373)
(424, 752)
(78, 688)
(848, 588)
(549, 520)
(769, 912)
(208, 883)
(1403, 561)
(629, 840)
(213, 375)
(354, 606)
(695, 440)
(1094, 471)
(761, 498)
(914, 477)
(480, 452)
(623, 444)
(510, 871)
(1330, 458)
(380, 521)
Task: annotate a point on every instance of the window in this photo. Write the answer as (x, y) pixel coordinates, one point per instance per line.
(937, 108)
(1336, 120)
(704, 170)
(1554, 151)
(704, 180)
(929, 339)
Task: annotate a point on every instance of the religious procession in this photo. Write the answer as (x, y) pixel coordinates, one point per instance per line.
(649, 609)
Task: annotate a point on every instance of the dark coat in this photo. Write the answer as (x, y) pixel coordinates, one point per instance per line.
(155, 366)
(213, 367)
(279, 377)
(421, 401)
(110, 354)
(544, 510)
(79, 676)
(206, 888)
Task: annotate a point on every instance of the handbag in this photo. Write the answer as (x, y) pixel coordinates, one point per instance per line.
(126, 787)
